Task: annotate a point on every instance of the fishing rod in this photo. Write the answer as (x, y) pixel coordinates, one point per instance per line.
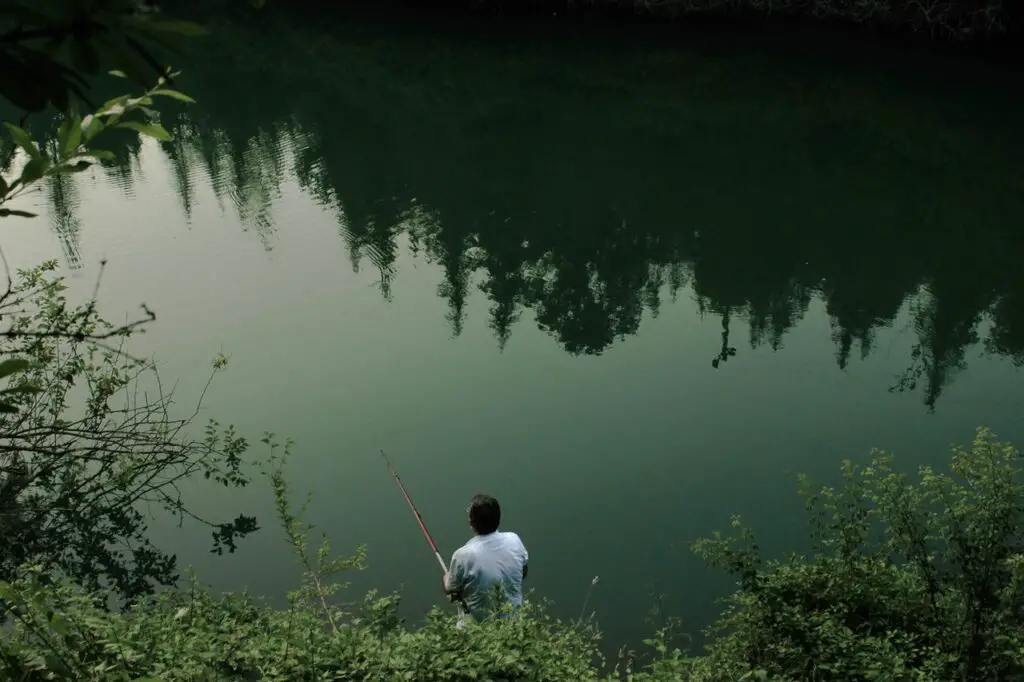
(419, 519)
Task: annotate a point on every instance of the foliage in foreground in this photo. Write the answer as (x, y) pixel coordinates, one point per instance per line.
(60, 631)
(907, 581)
(51, 50)
(89, 442)
(195, 636)
(88, 439)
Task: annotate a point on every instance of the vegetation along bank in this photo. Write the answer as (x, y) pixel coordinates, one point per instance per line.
(909, 577)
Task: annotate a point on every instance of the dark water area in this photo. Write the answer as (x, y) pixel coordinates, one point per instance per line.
(627, 283)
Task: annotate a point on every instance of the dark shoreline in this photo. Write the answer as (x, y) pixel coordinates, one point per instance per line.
(780, 30)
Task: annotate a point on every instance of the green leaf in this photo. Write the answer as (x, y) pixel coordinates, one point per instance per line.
(92, 126)
(23, 140)
(63, 132)
(33, 170)
(8, 593)
(100, 154)
(115, 107)
(182, 97)
(53, 662)
(75, 167)
(59, 624)
(9, 367)
(21, 390)
(154, 130)
(5, 212)
(7, 408)
(70, 135)
(118, 72)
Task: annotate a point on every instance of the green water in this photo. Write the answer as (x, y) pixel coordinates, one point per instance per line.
(517, 257)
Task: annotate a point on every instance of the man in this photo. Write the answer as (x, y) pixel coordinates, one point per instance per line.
(489, 559)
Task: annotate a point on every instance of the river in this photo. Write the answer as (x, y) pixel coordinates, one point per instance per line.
(627, 283)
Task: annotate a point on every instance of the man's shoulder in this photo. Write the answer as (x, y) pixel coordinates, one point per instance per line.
(510, 538)
(466, 549)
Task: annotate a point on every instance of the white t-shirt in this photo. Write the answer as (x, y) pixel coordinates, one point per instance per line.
(483, 562)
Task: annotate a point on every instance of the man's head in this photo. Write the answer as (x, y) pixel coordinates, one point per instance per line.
(484, 514)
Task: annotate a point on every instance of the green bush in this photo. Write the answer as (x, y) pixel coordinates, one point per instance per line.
(90, 440)
(192, 635)
(906, 581)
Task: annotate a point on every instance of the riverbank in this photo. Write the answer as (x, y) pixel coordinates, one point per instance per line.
(987, 26)
(958, 20)
(991, 30)
(918, 580)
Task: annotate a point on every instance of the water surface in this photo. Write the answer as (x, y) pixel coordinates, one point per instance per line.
(629, 286)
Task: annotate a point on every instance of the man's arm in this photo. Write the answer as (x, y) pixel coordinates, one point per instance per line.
(452, 580)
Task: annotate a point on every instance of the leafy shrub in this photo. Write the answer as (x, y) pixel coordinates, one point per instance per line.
(91, 439)
(192, 635)
(906, 582)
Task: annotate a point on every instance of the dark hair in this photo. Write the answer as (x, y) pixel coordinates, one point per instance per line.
(484, 514)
